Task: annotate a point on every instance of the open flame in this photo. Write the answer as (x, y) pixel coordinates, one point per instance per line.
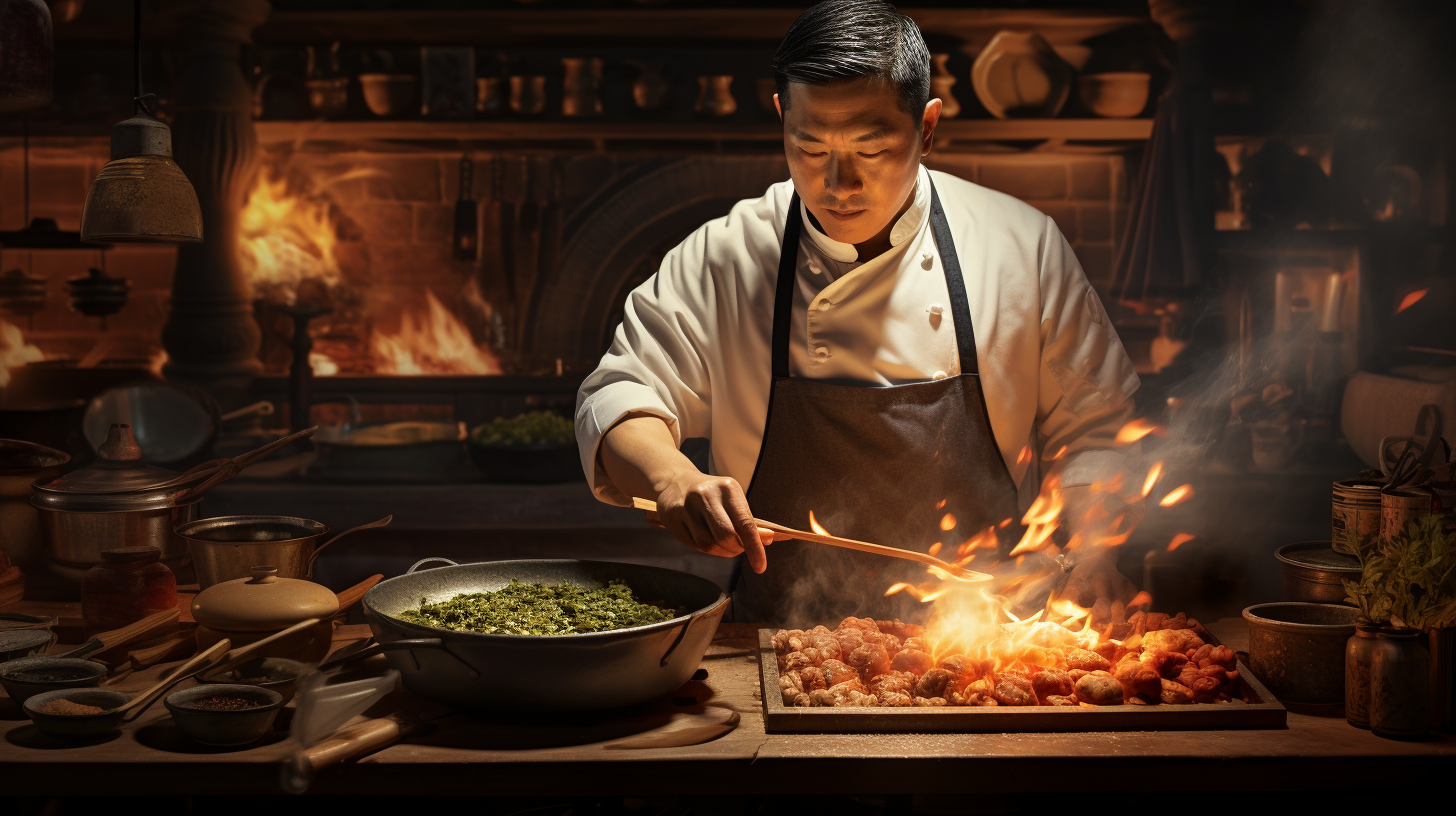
(1133, 431)
(1179, 540)
(433, 343)
(1410, 300)
(286, 238)
(1176, 495)
(15, 351)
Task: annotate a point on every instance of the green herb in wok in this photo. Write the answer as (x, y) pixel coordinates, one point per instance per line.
(540, 609)
(534, 428)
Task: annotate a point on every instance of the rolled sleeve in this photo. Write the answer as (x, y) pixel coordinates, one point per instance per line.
(597, 414)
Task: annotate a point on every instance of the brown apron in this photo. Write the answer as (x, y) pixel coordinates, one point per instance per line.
(873, 463)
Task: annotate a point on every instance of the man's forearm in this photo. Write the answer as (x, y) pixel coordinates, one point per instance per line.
(640, 456)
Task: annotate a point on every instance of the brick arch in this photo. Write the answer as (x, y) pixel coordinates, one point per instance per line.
(627, 233)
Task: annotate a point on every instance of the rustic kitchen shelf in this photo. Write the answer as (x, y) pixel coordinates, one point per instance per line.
(954, 130)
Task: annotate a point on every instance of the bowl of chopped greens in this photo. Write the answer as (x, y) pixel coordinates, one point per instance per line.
(544, 635)
(538, 447)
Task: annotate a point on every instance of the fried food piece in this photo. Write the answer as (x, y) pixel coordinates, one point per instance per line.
(836, 672)
(1203, 686)
(895, 699)
(1078, 674)
(933, 683)
(1087, 660)
(966, 667)
(1166, 664)
(812, 677)
(789, 640)
(1014, 689)
(826, 644)
(844, 694)
(892, 682)
(1175, 693)
(851, 639)
(1060, 700)
(900, 629)
(1052, 682)
(869, 660)
(863, 624)
(919, 644)
(1219, 656)
(791, 686)
(1099, 688)
(1107, 649)
(929, 702)
(791, 680)
(794, 661)
(912, 660)
(1171, 640)
(1137, 678)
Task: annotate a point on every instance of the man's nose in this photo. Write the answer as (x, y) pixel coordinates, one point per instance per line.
(843, 178)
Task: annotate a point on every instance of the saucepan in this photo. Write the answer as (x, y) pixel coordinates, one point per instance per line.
(545, 673)
(228, 547)
(170, 423)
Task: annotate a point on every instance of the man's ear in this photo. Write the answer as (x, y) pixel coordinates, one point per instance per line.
(778, 107)
(928, 121)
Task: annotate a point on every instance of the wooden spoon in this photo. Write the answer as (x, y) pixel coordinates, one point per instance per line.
(782, 533)
(243, 654)
(199, 662)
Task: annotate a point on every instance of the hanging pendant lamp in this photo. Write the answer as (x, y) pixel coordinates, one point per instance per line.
(26, 53)
(141, 194)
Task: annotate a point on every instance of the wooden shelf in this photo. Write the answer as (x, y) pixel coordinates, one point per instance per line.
(954, 130)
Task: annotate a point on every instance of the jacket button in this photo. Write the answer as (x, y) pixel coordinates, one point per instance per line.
(939, 375)
(927, 259)
(814, 268)
(936, 309)
(825, 305)
(822, 353)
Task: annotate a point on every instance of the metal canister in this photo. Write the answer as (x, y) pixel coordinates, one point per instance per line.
(1355, 509)
(1400, 685)
(1359, 652)
(1315, 573)
(1400, 507)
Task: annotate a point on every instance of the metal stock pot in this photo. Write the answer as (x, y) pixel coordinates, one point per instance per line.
(545, 673)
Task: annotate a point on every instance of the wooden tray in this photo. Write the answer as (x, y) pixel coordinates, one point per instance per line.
(778, 718)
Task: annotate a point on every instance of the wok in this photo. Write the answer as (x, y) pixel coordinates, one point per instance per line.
(545, 673)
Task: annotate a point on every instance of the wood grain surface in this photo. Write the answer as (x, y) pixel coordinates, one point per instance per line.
(613, 753)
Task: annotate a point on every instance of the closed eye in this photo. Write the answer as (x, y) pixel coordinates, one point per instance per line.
(872, 155)
(812, 153)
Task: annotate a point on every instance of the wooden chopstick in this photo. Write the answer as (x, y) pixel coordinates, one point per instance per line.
(782, 533)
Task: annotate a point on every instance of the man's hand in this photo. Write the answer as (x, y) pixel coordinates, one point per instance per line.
(711, 515)
(708, 513)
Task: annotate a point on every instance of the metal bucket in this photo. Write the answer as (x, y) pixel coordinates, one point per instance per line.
(226, 547)
(1298, 650)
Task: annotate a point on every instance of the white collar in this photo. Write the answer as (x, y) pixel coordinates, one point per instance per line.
(906, 226)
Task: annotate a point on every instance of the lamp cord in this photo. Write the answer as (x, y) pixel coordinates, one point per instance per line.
(142, 100)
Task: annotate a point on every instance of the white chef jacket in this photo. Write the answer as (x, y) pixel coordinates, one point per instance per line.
(694, 344)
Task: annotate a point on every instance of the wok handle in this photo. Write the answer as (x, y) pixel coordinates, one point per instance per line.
(416, 565)
(426, 643)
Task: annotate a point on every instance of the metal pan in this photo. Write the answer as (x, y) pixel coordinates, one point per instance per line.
(550, 673)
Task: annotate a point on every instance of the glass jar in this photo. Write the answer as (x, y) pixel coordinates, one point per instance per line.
(129, 584)
(1400, 685)
(1359, 651)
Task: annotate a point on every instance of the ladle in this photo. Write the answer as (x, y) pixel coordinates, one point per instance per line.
(782, 533)
(117, 705)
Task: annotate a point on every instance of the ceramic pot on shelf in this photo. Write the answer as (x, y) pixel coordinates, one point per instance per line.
(1018, 75)
(1400, 685)
(650, 89)
(582, 87)
(941, 82)
(715, 96)
(528, 95)
(1359, 652)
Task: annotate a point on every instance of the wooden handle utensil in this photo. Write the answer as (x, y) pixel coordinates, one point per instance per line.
(782, 533)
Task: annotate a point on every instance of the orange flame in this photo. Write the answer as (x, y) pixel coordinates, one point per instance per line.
(15, 351)
(940, 504)
(1176, 495)
(947, 522)
(1142, 599)
(1041, 518)
(1410, 300)
(434, 343)
(1135, 430)
(1179, 540)
(1025, 456)
(1155, 473)
(935, 548)
(815, 526)
(286, 238)
(1062, 451)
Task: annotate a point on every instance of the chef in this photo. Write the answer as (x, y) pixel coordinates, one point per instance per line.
(872, 342)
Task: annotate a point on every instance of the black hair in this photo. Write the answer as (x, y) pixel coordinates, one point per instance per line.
(843, 40)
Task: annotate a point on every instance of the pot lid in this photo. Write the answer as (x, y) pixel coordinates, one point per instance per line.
(1318, 555)
(119, 480)
(262, 603)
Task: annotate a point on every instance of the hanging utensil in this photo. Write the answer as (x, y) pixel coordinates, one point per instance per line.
(467, 225)
(782, 533)
(236, 465)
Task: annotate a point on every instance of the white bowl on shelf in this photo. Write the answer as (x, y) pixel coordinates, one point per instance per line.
(1116, 95)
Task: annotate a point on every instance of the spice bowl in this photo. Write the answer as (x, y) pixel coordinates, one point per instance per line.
(29, 676)
(18, 643)
(192, 709)
(41, 708)
(272, 673)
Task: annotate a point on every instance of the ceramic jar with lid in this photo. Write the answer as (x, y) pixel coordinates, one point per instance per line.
(1400, 685)
(245, 610)
(129, 584)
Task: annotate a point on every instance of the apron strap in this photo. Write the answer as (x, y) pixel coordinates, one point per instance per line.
(788, 273)
(784, 293)
(960, 307)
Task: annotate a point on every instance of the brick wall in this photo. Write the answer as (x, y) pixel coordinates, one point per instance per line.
(395, 216)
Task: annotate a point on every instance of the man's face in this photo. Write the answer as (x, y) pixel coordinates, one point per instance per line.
(854, 153)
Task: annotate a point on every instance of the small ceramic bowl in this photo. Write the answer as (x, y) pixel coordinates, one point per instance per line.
(391, 94)
(1118, 95)
(229, 726)
(77, 726)
(272, 673)
(29, 676)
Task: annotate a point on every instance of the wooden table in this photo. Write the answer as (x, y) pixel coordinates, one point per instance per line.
(575, 755)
